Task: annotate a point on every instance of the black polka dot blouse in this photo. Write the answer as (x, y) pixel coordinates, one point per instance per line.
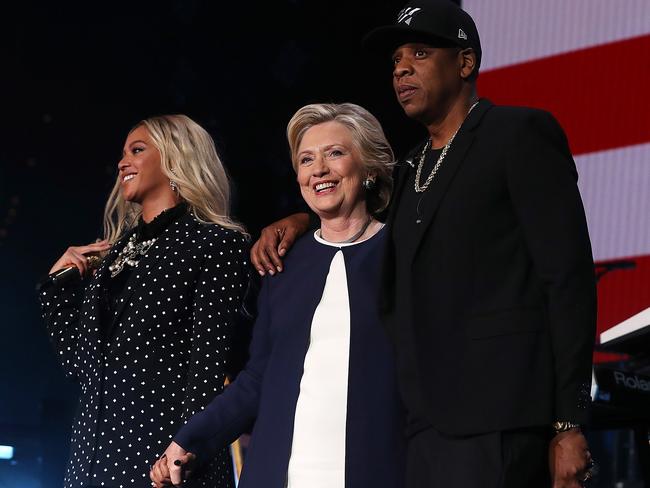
(156, 358)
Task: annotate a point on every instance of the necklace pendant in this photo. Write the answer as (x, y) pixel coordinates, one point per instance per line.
(418, 221)
(129, 255)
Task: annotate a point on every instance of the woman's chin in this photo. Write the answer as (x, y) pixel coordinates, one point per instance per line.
(318, 206)
(328, 213)
(130, 198)
(315, 209)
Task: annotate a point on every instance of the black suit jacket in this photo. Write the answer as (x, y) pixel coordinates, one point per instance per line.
(501, 287)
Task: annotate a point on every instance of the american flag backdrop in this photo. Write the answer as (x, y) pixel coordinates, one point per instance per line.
(588, 63)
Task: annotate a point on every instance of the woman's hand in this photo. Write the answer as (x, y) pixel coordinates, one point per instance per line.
(275, 241)
(173, 467)
(75, 256)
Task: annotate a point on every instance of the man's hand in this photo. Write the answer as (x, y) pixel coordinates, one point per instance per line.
(569, 459)
(275, 241)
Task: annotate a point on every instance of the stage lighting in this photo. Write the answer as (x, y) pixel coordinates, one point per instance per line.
(6, 452)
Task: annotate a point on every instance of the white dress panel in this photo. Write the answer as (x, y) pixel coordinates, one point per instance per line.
(318, 449)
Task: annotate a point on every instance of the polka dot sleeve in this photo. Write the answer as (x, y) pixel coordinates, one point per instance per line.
(60, 309)
(219, 292)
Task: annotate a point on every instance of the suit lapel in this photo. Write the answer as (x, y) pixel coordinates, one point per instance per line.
(450, 165)
(102, 274)
(93, 305)
(158, 251)
(400, 176)
(449, 168)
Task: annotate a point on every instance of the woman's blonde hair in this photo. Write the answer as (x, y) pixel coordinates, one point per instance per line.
(188, 157)
(367, 136)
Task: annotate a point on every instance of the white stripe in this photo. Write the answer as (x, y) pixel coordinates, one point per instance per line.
(638, 321)
(516, 31)
(615, 188)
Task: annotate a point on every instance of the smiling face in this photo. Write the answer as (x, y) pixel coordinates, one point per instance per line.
(330, 171)
(427, 79)
(140, 171)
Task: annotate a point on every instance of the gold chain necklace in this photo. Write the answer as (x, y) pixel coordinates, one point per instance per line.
(421, 188)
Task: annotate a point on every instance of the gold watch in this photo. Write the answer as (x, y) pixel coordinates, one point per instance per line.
(563, 426)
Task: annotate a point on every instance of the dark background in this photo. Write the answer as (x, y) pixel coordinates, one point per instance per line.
(77, 76)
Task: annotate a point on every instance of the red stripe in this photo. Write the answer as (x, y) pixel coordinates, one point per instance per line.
(621, 294)
(599, 95)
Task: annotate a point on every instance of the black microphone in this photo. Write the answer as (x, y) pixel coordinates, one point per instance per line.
(66, 274)
(604, 268)
(622, 264)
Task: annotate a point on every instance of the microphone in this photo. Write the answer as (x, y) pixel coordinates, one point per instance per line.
(622, 264)
(66, 274)
(604, 268)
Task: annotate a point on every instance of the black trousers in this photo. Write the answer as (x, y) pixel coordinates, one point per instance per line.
(509, 459)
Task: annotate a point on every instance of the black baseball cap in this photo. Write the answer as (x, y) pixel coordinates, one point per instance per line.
(433, 22)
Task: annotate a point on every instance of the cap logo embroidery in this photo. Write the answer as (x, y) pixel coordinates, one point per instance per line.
(461, 34)
(406, 15)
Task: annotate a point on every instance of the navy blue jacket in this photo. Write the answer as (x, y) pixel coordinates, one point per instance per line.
(266, 391)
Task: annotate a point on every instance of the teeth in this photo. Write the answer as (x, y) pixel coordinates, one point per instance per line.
(128, 177)
(324, 186)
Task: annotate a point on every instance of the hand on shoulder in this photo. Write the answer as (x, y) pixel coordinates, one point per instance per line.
(275, 240)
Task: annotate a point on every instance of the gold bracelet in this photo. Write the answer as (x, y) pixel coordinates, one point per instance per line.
(563, 426)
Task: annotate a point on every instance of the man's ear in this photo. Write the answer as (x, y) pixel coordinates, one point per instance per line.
(467, 58)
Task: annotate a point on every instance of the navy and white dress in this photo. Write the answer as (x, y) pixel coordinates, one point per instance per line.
(320, 384)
